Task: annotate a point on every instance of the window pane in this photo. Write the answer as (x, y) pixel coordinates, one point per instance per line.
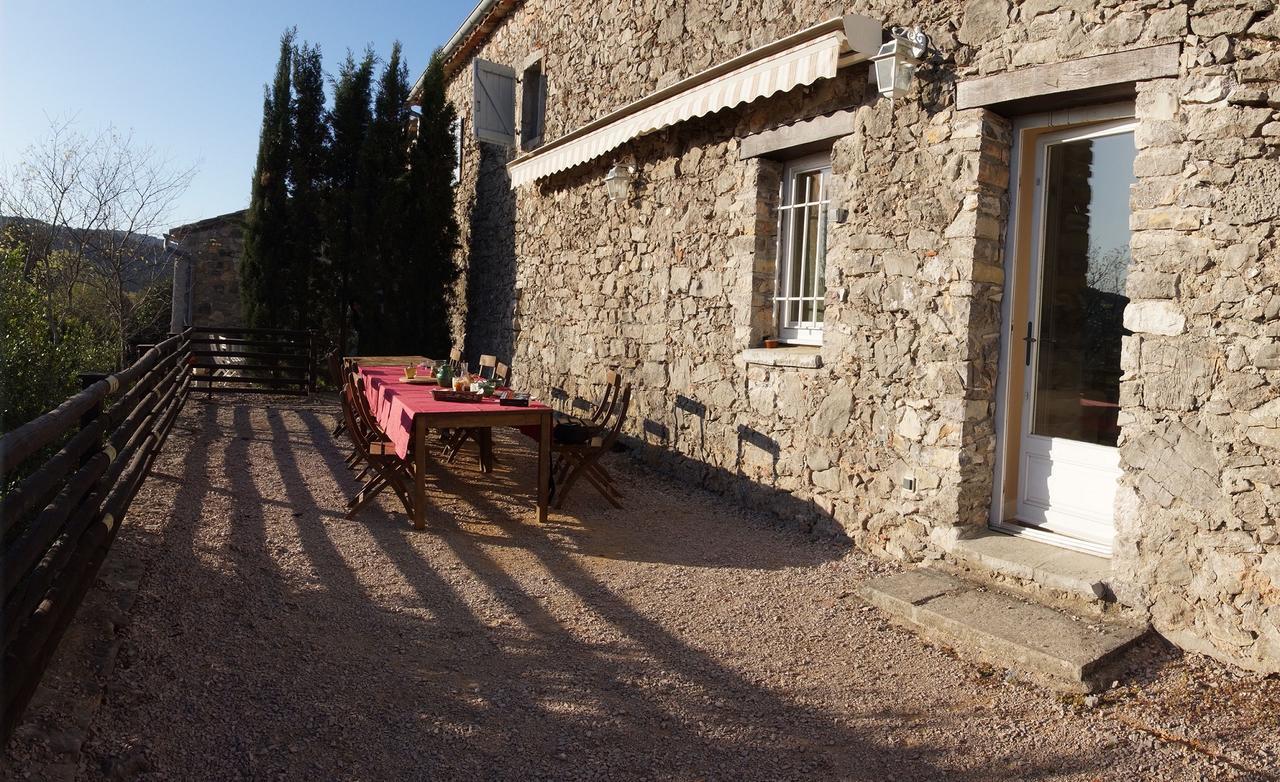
(820, 265)
(812, 248)
(1082, 301)
(798, 219)
(811, 186)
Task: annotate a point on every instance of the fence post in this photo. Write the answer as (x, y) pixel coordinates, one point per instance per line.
(87, 379)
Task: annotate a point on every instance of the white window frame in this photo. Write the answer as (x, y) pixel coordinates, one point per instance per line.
(801, 331)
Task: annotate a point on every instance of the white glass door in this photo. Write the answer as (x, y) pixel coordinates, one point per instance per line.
(1068, 462)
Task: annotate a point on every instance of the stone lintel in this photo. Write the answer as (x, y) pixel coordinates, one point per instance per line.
(801, 357)
(797, 134)
(1087, 73)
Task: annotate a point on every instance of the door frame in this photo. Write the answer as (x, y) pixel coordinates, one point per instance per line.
(1027, 131)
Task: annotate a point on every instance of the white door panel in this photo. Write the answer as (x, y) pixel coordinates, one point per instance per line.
(1068, 462)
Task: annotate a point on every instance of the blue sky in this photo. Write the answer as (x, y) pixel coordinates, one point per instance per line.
(185, 77)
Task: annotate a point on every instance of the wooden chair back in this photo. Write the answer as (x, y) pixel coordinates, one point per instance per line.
(608, 399)
(502, 375)
(357, 427)
(455, 359)
(368, 422)
(333, 363)
(619, 412)
(489, 363)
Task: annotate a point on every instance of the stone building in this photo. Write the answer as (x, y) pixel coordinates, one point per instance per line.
(206, 272)
(1031, 305)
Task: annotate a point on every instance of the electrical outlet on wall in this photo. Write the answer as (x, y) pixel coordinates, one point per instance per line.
(909, 483)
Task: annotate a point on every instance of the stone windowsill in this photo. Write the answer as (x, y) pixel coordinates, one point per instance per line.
(800, 356)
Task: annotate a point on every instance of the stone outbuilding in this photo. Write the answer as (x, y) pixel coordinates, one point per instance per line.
(206, 271)
(1020, 313)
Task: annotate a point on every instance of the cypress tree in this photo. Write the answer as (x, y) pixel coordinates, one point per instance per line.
(430, 227)
(312, 280)
(264, 268)
(385, 303)
(345, 207)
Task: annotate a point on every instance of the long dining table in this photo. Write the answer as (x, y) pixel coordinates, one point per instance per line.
(407, 412)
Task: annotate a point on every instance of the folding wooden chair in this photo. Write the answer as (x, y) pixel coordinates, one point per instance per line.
(603, 406)
(502, 375)
(490, 363)
(582, 460)
(455, 359)
(378, 453)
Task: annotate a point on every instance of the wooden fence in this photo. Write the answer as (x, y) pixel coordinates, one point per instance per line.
(267, 361)
(60, 519)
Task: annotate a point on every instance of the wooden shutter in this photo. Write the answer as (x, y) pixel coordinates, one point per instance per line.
(494, 116)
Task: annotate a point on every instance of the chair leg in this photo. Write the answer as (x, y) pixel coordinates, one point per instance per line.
(363, 496)
(374, 485)
(603, 480)
(563, 487)
(603, 489)
(457, 438)
(387, 476)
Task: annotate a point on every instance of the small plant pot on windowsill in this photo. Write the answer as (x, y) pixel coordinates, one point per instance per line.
(770, 344)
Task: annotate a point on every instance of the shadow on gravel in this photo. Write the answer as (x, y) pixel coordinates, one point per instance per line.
(291, 643)
(648, 690)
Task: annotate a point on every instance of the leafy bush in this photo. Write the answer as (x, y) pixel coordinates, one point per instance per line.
(38, 369)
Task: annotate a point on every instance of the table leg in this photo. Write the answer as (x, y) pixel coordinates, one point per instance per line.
(486, 449)
(544, 465)
(419, 472)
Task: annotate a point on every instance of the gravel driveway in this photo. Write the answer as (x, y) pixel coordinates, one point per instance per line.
(682, 638)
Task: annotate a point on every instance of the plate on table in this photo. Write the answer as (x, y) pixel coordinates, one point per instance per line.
(419, 381)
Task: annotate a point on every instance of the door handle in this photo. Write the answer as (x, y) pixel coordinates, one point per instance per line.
(1029, 340)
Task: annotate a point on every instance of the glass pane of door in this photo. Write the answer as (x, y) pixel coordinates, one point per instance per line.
(1085, 264)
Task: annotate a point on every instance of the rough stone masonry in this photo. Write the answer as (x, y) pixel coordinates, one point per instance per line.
(668, 285)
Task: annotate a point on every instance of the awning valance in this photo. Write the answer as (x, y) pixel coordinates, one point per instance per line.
(800, 59)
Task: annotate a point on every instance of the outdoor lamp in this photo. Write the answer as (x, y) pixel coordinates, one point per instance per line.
(897, 59)
(618, 181)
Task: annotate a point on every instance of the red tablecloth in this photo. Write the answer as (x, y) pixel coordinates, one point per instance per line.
(394, 403)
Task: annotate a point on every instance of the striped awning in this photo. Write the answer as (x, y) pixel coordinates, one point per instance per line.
(794, 61)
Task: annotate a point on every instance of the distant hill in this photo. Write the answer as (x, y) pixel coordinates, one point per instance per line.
(155, 262)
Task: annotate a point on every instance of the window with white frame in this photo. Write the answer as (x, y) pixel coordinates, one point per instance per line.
(802, 249)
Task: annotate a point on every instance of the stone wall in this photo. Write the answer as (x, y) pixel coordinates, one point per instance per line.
(669, 285)
(214, 248)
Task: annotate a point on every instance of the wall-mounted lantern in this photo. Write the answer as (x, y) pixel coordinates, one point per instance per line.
(896, 62)
(618, 181)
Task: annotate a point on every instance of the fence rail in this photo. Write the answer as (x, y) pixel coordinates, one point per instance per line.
(237, 360)
(58, 522)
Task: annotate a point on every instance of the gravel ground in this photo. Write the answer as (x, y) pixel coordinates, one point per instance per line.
(679, 639)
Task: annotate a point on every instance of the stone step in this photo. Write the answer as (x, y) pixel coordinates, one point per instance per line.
(1051, 647)
(1046, 573)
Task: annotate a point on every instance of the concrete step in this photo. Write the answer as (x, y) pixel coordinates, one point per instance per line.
(1048, 646)
(1047, 574)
